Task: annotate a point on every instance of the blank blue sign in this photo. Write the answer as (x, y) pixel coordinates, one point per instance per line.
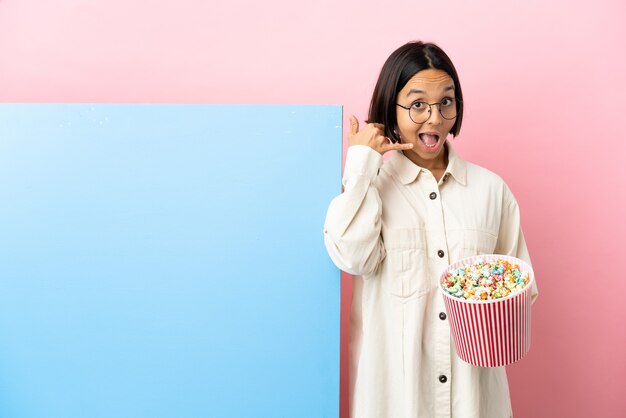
(167, 261)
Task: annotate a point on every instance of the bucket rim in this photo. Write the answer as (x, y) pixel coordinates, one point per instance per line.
(523, 265)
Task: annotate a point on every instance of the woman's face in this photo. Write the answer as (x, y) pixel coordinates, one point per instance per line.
(427, 86)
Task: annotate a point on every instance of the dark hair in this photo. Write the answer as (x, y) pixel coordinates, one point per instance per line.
(401, 65)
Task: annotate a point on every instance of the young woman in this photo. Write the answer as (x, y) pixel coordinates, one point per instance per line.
(397, 226)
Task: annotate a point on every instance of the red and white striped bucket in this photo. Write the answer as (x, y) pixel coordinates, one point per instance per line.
(490, 333)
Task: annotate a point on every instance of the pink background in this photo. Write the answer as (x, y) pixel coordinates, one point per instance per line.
(544, 87)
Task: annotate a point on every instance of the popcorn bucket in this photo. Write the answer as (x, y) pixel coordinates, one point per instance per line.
(490, 333)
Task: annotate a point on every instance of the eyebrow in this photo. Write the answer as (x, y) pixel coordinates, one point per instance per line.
(415, 91)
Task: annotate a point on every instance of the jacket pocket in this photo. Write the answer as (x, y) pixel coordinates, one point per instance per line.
(477, 242)
(405, 272)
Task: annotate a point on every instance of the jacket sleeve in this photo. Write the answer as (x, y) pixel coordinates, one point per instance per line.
(353, 221)
(510, 236)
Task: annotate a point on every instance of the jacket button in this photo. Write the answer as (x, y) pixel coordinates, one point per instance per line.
(440, 253)
(442, 315)
(433, 196)
(443, 378)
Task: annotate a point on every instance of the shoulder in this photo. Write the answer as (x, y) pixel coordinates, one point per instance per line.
(479, 174)
(479, 177)
(394, 166)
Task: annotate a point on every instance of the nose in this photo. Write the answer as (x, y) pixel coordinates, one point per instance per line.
(434, 116)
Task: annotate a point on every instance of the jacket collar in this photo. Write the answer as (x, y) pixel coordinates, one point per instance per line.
(407, 171)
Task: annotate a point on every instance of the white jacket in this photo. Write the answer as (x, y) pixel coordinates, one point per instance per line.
(396, 229)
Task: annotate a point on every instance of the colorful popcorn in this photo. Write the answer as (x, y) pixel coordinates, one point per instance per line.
(485, 280)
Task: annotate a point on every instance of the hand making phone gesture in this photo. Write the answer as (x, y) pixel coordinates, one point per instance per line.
(373, 135)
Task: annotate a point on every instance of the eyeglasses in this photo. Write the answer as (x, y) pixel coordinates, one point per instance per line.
(419, 112)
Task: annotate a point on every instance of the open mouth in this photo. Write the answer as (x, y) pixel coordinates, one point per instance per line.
(430, 140)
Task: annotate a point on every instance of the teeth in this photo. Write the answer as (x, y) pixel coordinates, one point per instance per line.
(429, 140)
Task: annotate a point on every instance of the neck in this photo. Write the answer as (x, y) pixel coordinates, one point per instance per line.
(439, 163)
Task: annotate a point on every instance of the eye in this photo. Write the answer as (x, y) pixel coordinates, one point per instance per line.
(418, 105)
(447, 102)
